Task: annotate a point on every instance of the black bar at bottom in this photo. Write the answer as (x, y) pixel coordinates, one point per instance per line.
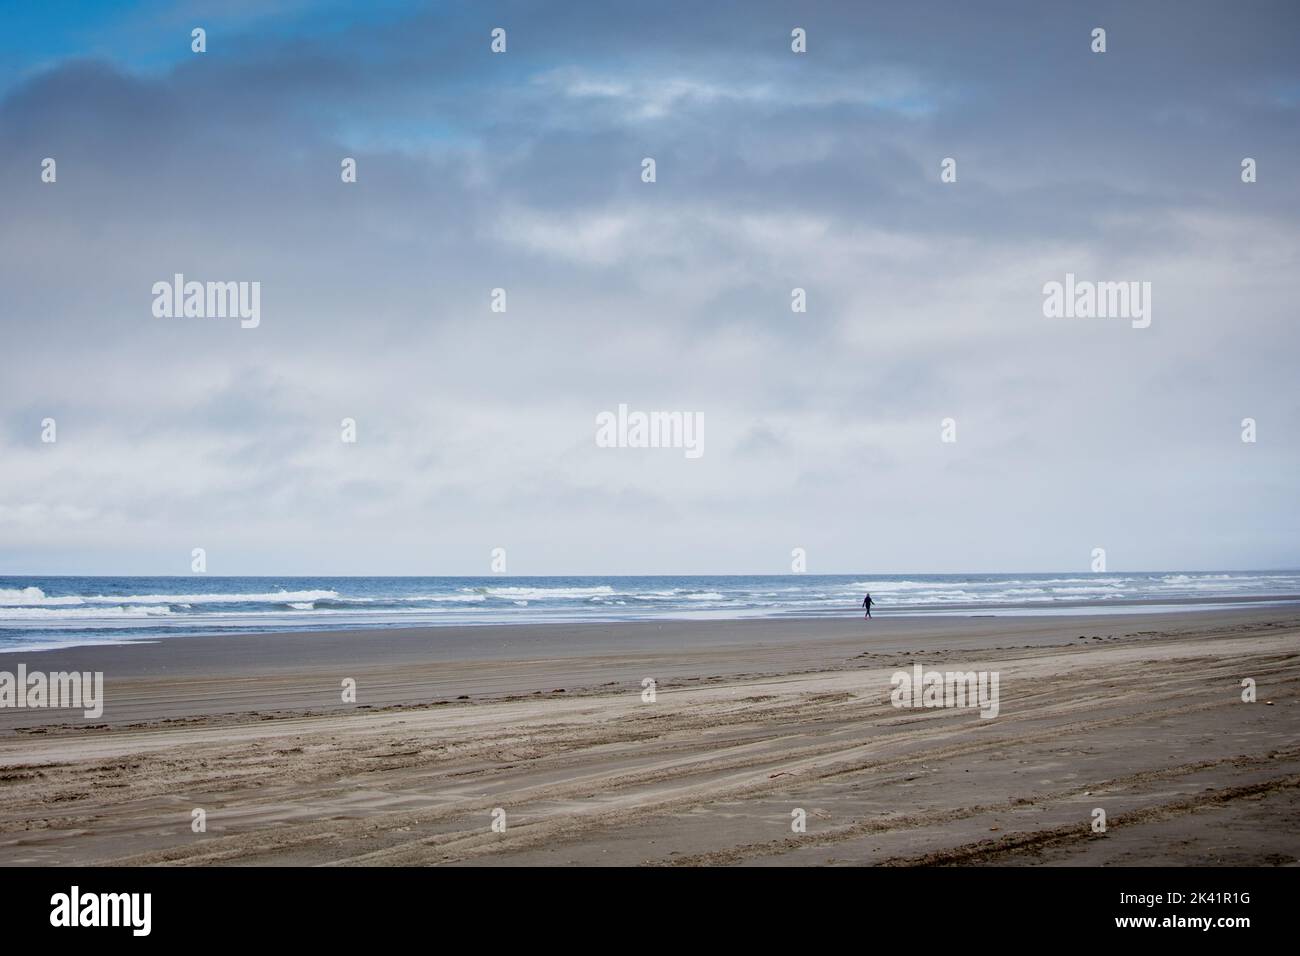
(213, 905)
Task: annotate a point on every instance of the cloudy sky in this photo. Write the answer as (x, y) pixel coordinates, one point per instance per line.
(522, 170)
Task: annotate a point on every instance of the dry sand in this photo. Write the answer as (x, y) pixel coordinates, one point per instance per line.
(1140, 715)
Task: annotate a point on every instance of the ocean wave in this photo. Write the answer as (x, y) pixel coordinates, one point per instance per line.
(1103, 589)
(890, 585)
(81, 613)
(544, 594)
(41, 609)
(31, 597)
(35, 597)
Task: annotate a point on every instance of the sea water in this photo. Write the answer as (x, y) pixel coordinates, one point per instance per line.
(59, 611)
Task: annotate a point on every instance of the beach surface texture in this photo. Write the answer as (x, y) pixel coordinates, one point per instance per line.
(769, 742)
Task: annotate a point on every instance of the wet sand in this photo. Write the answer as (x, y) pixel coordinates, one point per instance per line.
(1139, 715)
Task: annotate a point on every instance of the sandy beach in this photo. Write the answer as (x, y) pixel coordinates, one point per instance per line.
(1137, 714)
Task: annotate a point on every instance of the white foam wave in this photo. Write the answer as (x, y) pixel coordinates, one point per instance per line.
(35, 597)
(543, 594)
(31, 597)
(81, 613)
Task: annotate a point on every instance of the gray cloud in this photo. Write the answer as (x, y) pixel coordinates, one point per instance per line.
(775, 171)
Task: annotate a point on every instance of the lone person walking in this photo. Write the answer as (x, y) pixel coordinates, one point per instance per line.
(867, 602)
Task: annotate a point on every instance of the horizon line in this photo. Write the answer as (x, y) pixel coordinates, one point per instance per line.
(661, 574)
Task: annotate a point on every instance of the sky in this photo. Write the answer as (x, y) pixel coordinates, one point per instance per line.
(522, 171)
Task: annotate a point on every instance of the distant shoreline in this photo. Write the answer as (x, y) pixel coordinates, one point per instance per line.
(38, 614)
(1083, 610)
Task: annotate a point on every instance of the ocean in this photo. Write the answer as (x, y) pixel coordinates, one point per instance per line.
(42, 612)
